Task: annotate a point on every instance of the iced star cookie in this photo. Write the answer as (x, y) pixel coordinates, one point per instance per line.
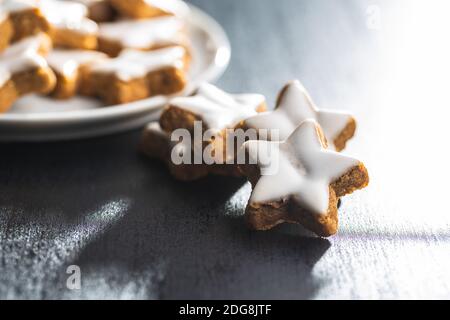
(299, 180)
(26, 18)
(70, 26)
(146, 34)
(136, 75)
(24, 70)
(217, 115)
(294, 105)
(150, 8)
(71, 69)
(6, 29)
(157, 143)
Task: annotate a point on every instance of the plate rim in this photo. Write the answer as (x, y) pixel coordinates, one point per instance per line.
(212, 73)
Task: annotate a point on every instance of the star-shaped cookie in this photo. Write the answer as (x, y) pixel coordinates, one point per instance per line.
(216, 113)
(299, 180)
(215, 108)
(294, 105)
(24, 70)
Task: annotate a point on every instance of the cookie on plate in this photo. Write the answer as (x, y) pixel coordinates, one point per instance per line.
(148, 34)
(70, 26)
(26, 17)
(71, 69)
(136, 75)
(23, 70)
(65, 21)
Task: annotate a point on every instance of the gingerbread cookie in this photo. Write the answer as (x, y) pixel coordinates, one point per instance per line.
(146, 34)
(136, 75)
(219, 115)
(26, 18)
(299, 180)
(294, 105)
(70, 68)
(150, 8)
(69, 25)
(24, 70)
(6, 29)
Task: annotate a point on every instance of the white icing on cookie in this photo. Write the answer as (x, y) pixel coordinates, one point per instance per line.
(218, 109)
(68, 15)
(302, 168)
(21, 56)
(175, 7)
(294, 107)
(132, 64)
(144, 34)
(67, 62)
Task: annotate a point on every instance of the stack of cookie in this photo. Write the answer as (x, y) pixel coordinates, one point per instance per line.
(117, 50)
(291, 155)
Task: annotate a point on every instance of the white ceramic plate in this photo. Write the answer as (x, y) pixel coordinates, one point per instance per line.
(35, 118)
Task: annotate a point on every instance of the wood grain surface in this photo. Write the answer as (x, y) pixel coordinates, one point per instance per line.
(138, 234)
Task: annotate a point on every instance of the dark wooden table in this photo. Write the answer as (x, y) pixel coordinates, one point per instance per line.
(136, 233)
